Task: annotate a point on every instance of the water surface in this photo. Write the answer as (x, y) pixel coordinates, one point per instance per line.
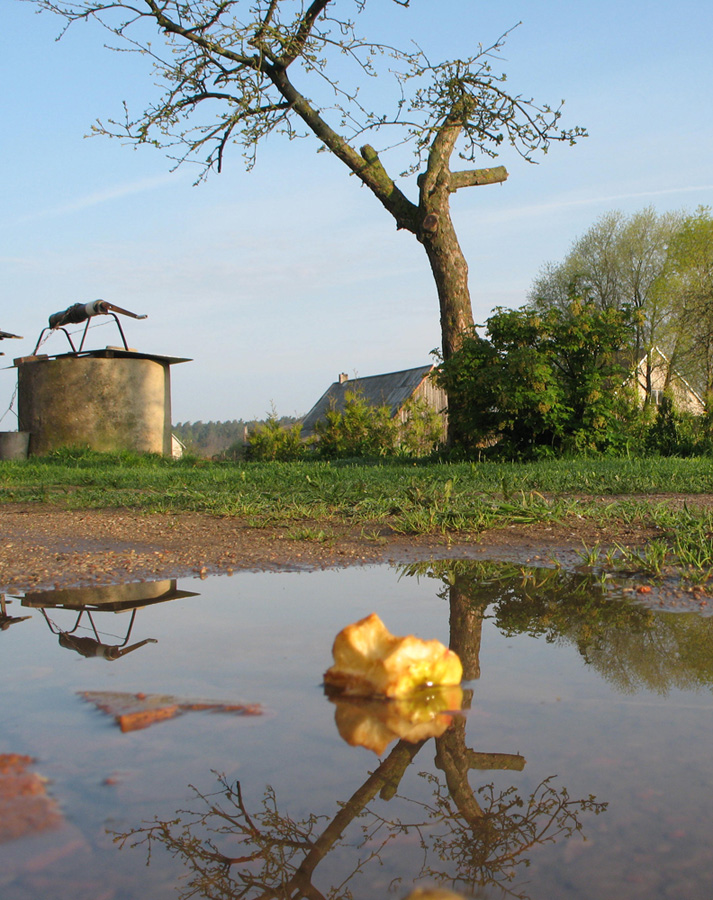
(579, 766)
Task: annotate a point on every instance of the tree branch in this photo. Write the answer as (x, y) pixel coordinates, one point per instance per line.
(440, 154)
(210, 47)
(366, 166)
(475, 177)
(297, 44)
(256, 41)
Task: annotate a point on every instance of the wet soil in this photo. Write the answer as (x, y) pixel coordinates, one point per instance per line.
(44, 547)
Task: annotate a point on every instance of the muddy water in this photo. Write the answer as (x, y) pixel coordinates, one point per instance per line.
(579, 765)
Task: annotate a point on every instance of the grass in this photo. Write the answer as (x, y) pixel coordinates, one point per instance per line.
(316, 535)
(411, 498)
(414, 499)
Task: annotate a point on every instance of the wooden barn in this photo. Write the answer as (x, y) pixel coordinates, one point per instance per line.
(392, 390)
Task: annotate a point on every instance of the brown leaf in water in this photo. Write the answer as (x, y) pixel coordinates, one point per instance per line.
(135, 711)
(25, 807)
(143, 718)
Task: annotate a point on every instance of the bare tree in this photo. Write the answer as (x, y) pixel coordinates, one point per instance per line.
(235, 71)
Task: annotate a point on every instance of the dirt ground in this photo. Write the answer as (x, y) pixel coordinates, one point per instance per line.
(42, 547)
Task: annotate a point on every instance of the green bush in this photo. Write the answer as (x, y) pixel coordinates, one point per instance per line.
(541, 384)
(273, 441)
(676, 434)
(422, 430)
(360, 430)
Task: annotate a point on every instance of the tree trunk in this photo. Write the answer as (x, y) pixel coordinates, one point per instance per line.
(430, 219)
(450, 272)
(466, 624)
(438, 236)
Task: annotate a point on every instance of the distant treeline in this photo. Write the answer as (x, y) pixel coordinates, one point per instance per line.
(211, 439)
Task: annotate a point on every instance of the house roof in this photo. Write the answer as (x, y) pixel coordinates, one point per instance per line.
(392, 390)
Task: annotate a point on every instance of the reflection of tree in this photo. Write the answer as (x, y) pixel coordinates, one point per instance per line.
(466, 626)
(669, 651)
(468, 838)
(487, 834)
(285, 852)
(629, 645)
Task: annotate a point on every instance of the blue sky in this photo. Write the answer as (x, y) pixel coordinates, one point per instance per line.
(273, 281)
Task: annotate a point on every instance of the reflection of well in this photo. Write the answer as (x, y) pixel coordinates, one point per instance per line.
(104, 399)
(114, 597)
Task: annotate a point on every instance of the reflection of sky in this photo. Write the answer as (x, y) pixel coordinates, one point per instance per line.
(266, 638)
(293, 267)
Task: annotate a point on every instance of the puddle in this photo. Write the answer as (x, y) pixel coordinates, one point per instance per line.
(578, 767)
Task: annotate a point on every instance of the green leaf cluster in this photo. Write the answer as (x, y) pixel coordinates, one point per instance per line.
(543, 382)
(275, 441)
(358, 430)
(362, 430)
(422, 428)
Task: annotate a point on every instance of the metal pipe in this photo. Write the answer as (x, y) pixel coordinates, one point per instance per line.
(81, 312)
(39, 339)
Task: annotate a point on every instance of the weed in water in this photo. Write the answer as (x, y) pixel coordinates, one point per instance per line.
(611, 557)
(589, 555)
(651, 560)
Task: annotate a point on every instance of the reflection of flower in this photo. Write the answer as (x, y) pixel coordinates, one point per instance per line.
(374, 724)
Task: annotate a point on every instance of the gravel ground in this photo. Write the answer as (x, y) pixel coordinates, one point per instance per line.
(43, 546)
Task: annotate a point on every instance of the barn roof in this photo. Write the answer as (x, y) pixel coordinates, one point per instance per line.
(392, 390)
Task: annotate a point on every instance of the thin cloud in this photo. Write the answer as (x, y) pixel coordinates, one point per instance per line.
(96, 198)
(636, 195)
(555, 205)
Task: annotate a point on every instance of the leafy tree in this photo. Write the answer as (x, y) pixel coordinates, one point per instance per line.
(543, 382)
(362, 429)
(621, 262)
(663, 434)
(689, 280)
(236, 71)
(673, 433)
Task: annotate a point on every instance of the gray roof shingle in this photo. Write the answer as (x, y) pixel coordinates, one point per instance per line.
(392, 390)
